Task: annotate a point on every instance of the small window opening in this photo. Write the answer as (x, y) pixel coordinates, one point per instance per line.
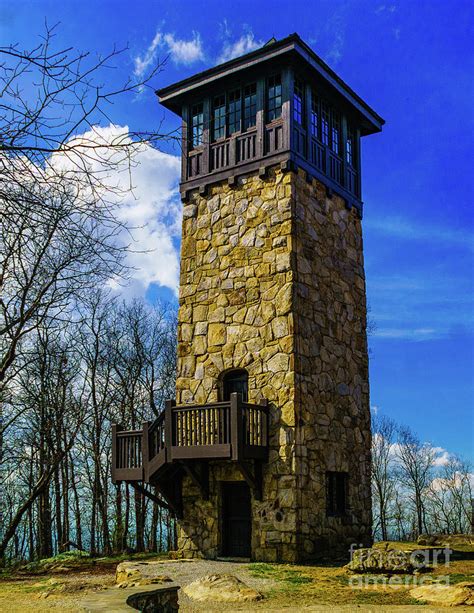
(197, 124)
(235, 107)
(274, 99)
(235, 381)
(350, 147)
(298, 101)
(314, 115)
(219, 117)
(325, 123)
(250, 106)
(336, 493)
(335, 132)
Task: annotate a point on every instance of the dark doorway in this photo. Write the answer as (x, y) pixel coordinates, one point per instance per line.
(235, 381)
(236, 520)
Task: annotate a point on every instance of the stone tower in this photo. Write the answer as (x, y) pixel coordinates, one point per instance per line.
(272, 310)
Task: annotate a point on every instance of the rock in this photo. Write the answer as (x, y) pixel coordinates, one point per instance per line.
(221, 588)
(373, 560)
(150, 599)
(427, 539)
(131, 574)
(445, 595)
(163, 600)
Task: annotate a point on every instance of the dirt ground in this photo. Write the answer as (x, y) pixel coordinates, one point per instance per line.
(284, 587)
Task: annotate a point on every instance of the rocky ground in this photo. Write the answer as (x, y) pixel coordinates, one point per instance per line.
(65, 586)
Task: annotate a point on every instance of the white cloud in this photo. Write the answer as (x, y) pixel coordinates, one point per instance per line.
(442, 456)
(185, 51)
(144, 62)
(374, 409)
(413, 334)
(152, 210)
(407, 229)
(246, 43)
(180, 50)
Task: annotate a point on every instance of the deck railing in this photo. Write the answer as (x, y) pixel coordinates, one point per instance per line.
(232, 430)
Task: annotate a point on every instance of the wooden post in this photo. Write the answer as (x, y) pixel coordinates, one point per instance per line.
(185, 134)
(114, 452)
(169, 404)
(260, 119)
(206, 135)
(145, 448)
(236, 433)
(287, 84)
(264, 403)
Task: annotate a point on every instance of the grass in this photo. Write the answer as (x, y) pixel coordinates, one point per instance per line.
(283, 585)
(279, 573)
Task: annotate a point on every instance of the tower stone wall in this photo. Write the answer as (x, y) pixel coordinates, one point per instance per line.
(272, 281)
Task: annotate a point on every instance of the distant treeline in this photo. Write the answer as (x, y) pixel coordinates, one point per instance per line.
(417, 488)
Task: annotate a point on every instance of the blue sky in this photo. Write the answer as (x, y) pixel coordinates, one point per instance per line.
(413, 62)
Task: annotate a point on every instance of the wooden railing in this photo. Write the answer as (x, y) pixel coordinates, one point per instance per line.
(127, 456)
(231, 430)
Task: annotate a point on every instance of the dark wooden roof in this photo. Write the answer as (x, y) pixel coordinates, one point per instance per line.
(172, 96)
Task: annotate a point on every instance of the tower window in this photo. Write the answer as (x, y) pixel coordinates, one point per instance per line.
(235, 381)
(335, 132)
(274, 98)
(298, 101)
(235, 108)
(314, 114)
(336, 493)
(350, 147)
(197, 124)
(250, 105)
(219, 117)
(325, 123)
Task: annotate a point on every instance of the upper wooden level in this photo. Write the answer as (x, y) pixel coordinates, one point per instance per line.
(278, 104)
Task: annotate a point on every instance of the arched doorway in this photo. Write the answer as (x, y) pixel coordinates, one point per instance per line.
(236, 380)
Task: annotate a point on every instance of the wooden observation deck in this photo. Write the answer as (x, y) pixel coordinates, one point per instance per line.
(184, 438)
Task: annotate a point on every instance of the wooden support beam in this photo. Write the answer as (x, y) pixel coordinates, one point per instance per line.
(139, 488)
(253, 478)
(200, 478)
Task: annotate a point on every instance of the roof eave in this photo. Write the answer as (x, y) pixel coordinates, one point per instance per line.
(171, 95)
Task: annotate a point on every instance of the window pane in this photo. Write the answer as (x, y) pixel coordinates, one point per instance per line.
(250, 106)
(274, 98)
(350, 147)
(235, 106)
(219, 117)
(325, 123)
(314, 114)
(298, 101)
(335, 131)
(197, 124)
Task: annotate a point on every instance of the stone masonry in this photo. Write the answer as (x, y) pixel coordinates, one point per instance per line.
(272, 281)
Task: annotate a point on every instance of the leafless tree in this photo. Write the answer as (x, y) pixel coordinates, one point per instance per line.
(59, 227)
(383, 477)
(416, 461)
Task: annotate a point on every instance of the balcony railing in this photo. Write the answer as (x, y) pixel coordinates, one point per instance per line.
(231, 430)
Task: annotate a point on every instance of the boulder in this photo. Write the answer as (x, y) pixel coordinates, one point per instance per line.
(372, 560)
(427, 539)
(131, 574)
(460, 594)
(221, 588)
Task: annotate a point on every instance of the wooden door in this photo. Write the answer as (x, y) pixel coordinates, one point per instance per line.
(236, 520)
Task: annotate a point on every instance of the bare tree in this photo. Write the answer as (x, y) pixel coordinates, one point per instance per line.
(416, 461)
(45, 433)
(59, 227)
(383, 477)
